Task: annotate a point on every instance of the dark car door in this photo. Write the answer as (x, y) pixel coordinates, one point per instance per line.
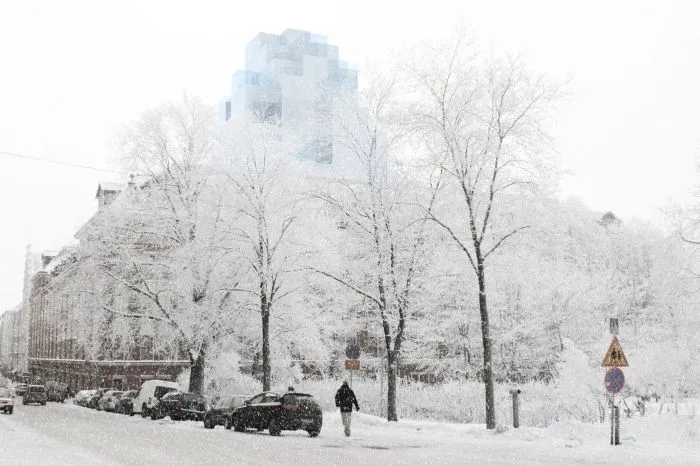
(265, 409)
(246, 413)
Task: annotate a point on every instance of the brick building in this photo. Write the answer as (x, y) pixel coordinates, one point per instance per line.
(72, 340)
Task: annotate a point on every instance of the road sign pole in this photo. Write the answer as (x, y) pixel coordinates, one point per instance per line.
(612, 420)
(617, 425)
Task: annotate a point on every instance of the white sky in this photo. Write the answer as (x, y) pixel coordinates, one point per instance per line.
(71, 72)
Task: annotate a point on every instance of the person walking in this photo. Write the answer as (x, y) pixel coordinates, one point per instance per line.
(344, 399)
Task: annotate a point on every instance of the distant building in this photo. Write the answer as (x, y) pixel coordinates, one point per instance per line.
(9, 341)
(68, 337)
(294, 78)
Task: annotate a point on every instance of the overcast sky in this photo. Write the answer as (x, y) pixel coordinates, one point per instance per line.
(71, 72)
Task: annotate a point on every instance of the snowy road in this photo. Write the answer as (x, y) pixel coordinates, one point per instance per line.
(67, 434)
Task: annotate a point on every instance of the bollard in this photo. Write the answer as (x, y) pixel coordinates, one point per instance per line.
(516, 407)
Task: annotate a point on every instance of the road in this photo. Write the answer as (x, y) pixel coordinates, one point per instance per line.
(108, 438)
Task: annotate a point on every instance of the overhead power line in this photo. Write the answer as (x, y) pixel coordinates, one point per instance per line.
(60, 162)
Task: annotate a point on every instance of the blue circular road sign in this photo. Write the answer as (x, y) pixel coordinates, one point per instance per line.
(614, 379)
(352, 352)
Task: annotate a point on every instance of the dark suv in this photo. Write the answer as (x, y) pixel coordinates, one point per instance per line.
(180, 406)
(35, 394)
(279, 411)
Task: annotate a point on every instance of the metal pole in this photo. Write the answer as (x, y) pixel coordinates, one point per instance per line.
(617, 425)
(612, 420)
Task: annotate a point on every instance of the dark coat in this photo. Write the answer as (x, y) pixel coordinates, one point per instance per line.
(345, 398)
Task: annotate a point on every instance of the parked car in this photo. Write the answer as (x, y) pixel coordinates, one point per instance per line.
(21, 388)
(151, 391)
(7, 400)
(279, 411)
(56, 391)
(93, 401)
(220, 413)
(180, 406)
(82, 397)
(35, 394)
(125, 404)
(109, 400)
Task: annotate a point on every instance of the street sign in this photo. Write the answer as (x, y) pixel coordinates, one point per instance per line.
(614, 380)
(352, 351)
(614, 326)
(352, 364)
(615, 357)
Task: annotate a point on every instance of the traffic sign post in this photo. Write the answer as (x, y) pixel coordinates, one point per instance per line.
(352, 363)
(614, 381)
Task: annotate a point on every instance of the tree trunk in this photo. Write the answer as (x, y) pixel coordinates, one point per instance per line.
(197, 371)
(391, 414)
(486, 340)
(265, 311)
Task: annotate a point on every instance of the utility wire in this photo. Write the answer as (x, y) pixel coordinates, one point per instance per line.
(59, 162)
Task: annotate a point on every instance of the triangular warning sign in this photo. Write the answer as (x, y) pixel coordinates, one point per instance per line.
(615, 357)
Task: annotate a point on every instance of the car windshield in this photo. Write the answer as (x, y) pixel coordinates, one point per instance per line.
(129, 394)
(36, 388)
(5, 392)
(160, 391)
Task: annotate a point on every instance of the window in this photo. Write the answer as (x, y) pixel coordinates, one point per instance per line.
(257, 399)
(160, 391)
(270, 398)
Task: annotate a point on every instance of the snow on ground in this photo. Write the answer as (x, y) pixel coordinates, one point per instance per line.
(65, 434)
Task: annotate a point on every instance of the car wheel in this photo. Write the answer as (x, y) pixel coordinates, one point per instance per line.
(154, 414)
(24, 402)
(274, 428)
(9, 411)
(313, 432)
(144, 411)
(43, 403)
(238, 425)
(207, 423)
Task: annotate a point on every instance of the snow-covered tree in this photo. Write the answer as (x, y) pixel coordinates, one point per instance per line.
(384, 231)
(482, 121)
(163, 238)
(255, 160)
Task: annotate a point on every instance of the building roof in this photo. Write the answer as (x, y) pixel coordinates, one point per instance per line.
(109, 186)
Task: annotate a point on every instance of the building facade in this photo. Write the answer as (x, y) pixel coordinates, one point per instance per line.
(71, 339)
(9, 341)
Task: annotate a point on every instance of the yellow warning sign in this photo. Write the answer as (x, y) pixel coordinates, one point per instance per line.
(615, 357)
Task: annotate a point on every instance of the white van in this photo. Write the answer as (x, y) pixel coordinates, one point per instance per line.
(152, 391)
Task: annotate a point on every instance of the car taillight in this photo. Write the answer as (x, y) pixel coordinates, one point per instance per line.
(289, 407)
